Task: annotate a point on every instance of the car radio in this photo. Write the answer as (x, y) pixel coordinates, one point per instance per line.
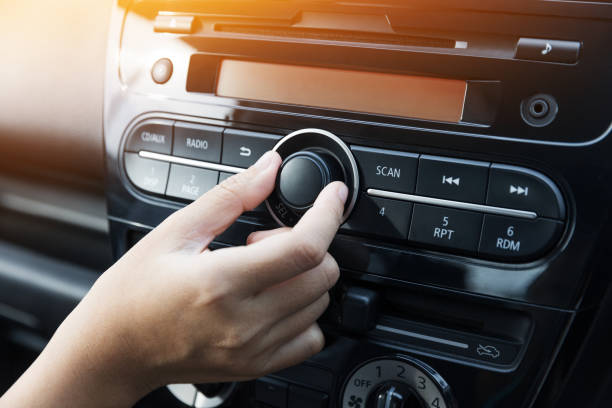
(462, 133)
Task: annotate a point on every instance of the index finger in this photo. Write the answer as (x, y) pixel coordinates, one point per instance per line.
(282, 256)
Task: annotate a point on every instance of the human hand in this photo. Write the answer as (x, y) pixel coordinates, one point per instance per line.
(172, 311)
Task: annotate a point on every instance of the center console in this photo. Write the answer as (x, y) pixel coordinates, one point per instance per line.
(473, 138)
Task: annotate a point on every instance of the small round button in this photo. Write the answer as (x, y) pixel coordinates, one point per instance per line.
(301, 179)
(161, 71)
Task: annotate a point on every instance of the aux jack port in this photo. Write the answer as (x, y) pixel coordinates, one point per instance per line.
(539, 110)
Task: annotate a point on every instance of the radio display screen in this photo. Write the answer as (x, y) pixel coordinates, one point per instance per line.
(409, 96)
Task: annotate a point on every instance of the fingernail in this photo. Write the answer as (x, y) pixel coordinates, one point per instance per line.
(264, 161)
(343, 192)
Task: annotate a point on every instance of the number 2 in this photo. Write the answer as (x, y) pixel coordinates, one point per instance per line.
(400, 371)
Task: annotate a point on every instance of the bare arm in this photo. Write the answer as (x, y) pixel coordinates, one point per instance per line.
(171, 311)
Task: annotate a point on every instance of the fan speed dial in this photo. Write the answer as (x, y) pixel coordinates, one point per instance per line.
(395, 382)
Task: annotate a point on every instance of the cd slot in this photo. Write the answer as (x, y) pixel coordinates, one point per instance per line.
(338, 35)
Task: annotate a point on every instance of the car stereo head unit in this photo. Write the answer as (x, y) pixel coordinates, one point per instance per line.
(463, 133)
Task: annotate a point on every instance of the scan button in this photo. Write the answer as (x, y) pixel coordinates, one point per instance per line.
(386, 169)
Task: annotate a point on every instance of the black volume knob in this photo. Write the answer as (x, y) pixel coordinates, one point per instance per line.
(312, 158)
(304, 174)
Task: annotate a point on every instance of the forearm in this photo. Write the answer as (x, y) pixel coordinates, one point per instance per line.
(79, 369)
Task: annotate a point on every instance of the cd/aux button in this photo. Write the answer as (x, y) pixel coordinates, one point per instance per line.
(386, 169)
(445, 227)
(153, 135)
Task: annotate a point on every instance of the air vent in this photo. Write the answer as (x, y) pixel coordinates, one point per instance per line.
(336, 35)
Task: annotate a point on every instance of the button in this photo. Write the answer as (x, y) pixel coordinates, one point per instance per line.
(517, 239)
(380, 216)
(242, 149)
(445, 227)
(224, 176)
(452, 179)
(186, 393)
(271, 392)
(539, 49)
(161, 71)
(300, 397)
(386, 169)
(189, 183)
(146, 174)
(153, 136)
(199, 142)
(523, 189)
(173, 24)
(301, 179)
(359, 309)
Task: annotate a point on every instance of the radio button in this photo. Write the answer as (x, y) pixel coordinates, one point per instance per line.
(452, 179)
(200, 142)
(523, 189)
(516, 239)
(380, 216)
(189, 183)
(146, 174)
(153, 135)
(242, 149)
(445, 227)
(386, 169)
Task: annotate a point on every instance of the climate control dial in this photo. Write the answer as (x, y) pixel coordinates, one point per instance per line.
(395, 382)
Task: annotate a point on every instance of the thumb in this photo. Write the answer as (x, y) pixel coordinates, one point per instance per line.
(211, 214)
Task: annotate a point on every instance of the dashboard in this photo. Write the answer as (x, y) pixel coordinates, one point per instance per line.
(473, 137)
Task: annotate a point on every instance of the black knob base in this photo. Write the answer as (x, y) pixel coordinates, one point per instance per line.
(312, 159)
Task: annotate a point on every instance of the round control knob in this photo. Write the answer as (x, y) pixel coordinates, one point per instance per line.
(394, 394)
(312, 158)
(395, 382)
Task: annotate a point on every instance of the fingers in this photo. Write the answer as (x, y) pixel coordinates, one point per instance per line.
(293, 295)
(216, 210)
(288, 328)
(286, 254)
(261, 235)
(322, 221)
(304, 345)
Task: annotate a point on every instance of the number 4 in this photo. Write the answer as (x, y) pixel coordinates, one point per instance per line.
(436, 403)
(382, 212)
